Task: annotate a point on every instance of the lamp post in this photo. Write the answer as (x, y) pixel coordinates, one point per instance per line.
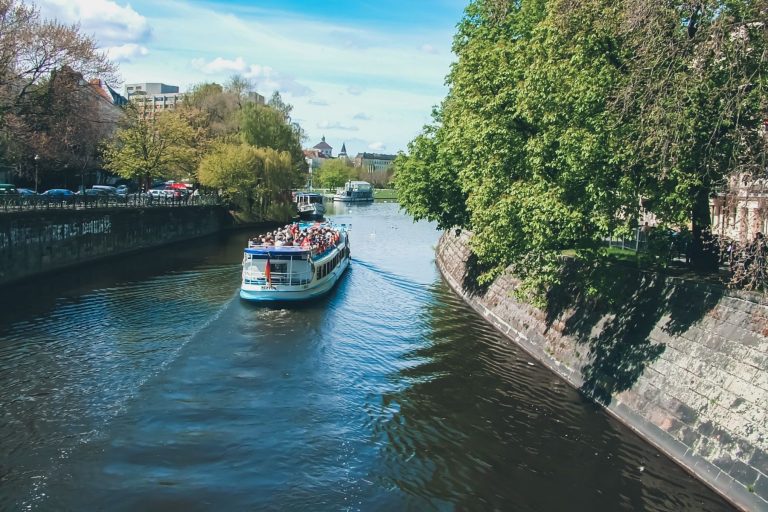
(37, 157)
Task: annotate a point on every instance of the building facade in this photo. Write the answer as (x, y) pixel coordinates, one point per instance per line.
(151, 98)
(376, 168)
(324, 148)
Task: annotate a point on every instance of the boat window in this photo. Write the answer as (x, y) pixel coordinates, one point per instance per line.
(280, 268)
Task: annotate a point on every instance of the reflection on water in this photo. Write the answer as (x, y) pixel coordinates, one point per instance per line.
(145, 384)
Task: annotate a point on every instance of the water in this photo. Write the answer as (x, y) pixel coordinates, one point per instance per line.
(144, 383)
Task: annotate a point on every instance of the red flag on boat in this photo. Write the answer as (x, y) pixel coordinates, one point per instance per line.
(268, 274)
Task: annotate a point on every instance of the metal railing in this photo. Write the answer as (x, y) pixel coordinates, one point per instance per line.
(257, 277)
(636, 241)
(17, 203)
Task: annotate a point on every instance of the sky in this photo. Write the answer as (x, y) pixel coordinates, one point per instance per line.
(363, 73)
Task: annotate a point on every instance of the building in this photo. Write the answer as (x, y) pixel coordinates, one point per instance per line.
(324, 148)
(151, 98)
(149, 88)
(375, 168)
(740, 209)
(256, 98)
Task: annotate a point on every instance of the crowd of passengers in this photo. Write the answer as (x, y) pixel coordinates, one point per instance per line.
(317, 237)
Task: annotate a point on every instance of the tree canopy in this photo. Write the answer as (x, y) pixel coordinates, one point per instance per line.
(254, 178)
(47, 106)
(333, 173)
(163, 146)
(563, 117)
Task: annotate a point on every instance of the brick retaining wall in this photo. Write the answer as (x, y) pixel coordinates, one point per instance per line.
(685, 365)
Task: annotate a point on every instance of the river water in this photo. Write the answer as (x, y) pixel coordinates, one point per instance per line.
(144, 383)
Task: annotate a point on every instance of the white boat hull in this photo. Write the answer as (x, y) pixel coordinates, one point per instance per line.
(285, 293)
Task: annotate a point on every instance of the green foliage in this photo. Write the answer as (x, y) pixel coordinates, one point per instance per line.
(166, 146)
(561, 116)
(265, 127)
(253, 178)
(426, 181)
(334, 173)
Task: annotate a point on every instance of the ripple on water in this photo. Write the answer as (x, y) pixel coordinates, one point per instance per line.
(161, 392)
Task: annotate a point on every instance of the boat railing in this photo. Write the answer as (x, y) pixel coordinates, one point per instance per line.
(255, 276)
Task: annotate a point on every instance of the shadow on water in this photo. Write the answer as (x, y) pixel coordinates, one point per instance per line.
(616, 319)
(495, 431)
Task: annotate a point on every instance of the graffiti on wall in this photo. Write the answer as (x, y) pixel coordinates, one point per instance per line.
(47, 233)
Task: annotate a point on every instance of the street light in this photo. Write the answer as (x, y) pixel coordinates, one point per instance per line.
(37, 157)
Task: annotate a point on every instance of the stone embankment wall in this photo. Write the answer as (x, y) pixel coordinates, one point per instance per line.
(34, 242)
(685, 365)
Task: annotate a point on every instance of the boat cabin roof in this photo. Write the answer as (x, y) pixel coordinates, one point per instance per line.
(308, 194)
(277, 250)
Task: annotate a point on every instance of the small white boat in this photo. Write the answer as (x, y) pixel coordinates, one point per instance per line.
(310, 205)
(295, 273)
(355, 192)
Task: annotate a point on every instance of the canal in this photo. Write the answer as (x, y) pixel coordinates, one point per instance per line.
(144, 383)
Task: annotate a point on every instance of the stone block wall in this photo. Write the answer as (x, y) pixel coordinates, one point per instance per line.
(685, 365)
(34, 242)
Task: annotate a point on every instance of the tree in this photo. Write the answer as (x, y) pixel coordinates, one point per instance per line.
(562, 117)
(263, 126)
(219, 108)
(32, 52)
(695, 100)
(165, 146)
(277, 103)
(425, 180)
(333, 173)
(254, 178)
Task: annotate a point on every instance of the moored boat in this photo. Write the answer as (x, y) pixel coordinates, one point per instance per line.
(308, 268)
(310, 205)
(354, 192)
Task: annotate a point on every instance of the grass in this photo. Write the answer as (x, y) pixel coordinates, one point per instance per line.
(385, 193)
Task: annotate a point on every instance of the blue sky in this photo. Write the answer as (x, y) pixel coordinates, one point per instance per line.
(364, 73)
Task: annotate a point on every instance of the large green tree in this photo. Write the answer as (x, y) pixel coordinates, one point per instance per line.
(265, 127)
(562, 117)
(168, 145)
(693, 102)
(254, 178)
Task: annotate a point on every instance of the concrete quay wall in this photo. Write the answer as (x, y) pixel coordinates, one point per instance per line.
(685, 365)
(35, 242)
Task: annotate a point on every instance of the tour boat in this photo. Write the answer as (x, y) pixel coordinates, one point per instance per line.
(295, 273)
(355, 192)
(310, 205)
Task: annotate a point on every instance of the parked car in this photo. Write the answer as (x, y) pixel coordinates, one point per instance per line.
(6, 189)
(59, 195)
(27, 192)
(108, 189)
(160, 193)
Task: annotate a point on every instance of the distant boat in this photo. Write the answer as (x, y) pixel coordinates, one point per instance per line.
(355, 192)
(310, 205)
(295, 273)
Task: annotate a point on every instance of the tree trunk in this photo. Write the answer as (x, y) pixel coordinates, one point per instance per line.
(702, 251)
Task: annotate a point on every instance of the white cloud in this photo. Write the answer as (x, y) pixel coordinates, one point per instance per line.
(377, 146)
(319, 103)
(220, 65)
(126, 52)
(362, 116)
(112, 24)
(354, 90)
(326, 125)
(428, 48)
(264, 78)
